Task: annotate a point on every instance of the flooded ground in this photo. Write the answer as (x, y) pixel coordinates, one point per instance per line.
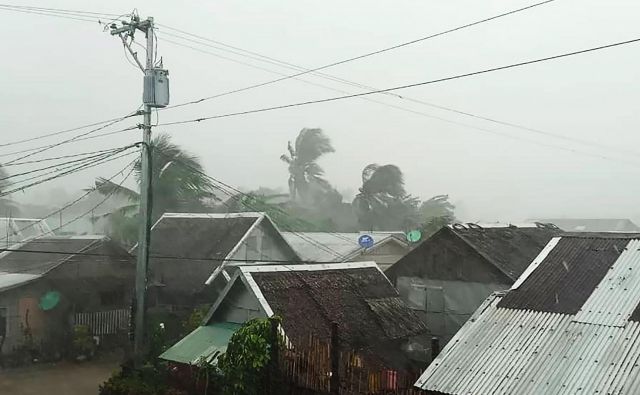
(65, 378)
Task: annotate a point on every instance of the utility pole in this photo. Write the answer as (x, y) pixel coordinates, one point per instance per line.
(155, 94)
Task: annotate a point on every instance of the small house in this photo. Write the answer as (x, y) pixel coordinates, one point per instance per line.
(190, 251)
(309, 298)
(569, 325)
(447, 276)
(49, 284)
(386, 249)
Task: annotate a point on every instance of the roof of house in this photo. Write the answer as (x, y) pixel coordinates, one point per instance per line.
(593, 224)
(201, 235)
(34, 258)
(508, 247)
(571, 323)
(203, 344)
(14, 230)
(332, 246)
(357, 296)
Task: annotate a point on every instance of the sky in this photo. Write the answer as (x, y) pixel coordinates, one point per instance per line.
(58, 74)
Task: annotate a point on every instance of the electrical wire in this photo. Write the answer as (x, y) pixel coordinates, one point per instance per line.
(75, 201)
(404, 44)
(77, 137)
(271, 60)
(63, 16)
(62, 10)
(100, 203)
(442, 119)
(58, 165)
(225, 188)
(43, 136)
(62, 174)
(413, 85)
(27, 162)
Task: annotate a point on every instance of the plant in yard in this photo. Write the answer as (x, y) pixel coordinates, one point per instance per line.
(83, 345)
(244, 364)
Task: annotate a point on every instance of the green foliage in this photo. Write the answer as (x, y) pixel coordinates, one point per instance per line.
(244, 364)
(83, 343)
(178, 184)
(194, 320)
(306, 182)
(436, 213)
(7, 206)
(149, 380)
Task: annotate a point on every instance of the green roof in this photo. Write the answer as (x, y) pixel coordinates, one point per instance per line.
(202, 343)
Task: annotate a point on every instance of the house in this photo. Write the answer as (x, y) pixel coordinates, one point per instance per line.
(593, 225)
(49, 283)
(189, 251)
(446, 277)
(370, 316)
(387, 249)
(570, 324)
(15, 230)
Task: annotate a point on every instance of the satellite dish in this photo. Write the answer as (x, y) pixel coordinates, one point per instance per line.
(414, 236)
(49, 300)
(365, 241)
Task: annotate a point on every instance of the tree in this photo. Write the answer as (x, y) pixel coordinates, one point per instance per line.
(305, 175)
(178, 184)
(382, 202)
(436, 213)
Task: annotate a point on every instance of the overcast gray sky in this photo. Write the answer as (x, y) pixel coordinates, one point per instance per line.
(59, 73)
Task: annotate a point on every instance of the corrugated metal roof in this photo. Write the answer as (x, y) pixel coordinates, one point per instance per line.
(338, 246)
(202, 344)
(504, 349)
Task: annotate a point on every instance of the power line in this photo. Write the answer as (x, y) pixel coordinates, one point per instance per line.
(71, 203)
(48, 14)
(40, 137)
(429, 82)
(490, 131)
(61, 10)
(59, 166)
(256, 56)
(76, 138)
(404, 44)
(109, 195)
(65, 173)
(225, 189)
(27, 162)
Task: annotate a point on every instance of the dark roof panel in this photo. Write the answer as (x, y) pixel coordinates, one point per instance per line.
(203, 236)
(566, 278)
(58, 249)
(360, 300)
(511, 249)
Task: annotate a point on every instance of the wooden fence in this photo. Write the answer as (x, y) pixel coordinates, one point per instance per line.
(311, 367)
(104, 322)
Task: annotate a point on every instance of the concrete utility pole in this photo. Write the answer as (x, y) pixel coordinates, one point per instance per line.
(155, 94)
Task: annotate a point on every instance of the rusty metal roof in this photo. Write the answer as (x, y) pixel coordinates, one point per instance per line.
(521, 342)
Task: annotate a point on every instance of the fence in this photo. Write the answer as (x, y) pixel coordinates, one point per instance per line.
(104, 322)
(319, 367)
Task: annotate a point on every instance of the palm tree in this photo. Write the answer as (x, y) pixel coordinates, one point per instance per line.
(436, 213)
(178, 184)
(305, 175)
(382, 192)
